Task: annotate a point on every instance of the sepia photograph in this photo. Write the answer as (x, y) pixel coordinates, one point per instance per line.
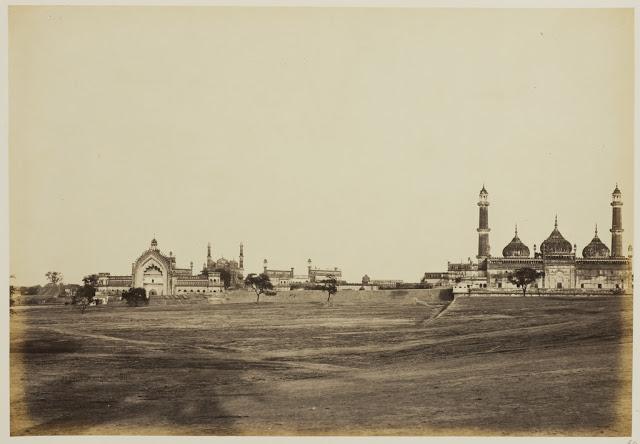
(298, 221)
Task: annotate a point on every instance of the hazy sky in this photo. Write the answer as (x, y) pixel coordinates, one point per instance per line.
(357, 137)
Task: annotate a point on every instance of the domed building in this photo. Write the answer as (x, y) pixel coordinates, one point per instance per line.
(556, 244)
(515, 248)
(232, 271)
(596, 248)
(598, 269)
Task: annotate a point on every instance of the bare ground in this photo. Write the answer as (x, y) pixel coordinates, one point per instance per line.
(488, 366)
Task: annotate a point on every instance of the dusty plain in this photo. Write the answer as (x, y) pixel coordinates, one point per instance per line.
(483, 366)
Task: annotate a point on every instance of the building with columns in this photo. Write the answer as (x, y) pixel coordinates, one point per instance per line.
(598, 268)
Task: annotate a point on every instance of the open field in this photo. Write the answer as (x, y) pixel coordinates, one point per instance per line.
(484, 365)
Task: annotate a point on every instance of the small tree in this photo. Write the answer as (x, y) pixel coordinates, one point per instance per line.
(84, 295)
(523, 277)
(135, 297)
(225, 276)
(54, 277)
(12, 290)
(330, 285)
(91, 280)
(259, 282)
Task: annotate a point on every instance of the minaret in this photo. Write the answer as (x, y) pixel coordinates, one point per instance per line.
(264, 263)
(616, 223)
(483, 226)
(241, 258)
(208, 251)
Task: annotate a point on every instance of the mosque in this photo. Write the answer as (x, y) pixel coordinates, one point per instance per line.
(158, 274)
(598, 269)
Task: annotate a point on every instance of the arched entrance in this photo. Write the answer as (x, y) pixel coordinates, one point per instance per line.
(153, 280)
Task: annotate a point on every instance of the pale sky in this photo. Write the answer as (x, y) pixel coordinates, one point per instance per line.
(359, 138)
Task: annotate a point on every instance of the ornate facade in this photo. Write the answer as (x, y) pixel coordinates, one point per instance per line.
(158, 274)
(558, 261)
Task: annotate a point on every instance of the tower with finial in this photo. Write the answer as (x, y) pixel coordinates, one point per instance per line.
(616, 223)
(241, 257)
(154, 244)
(483, 226)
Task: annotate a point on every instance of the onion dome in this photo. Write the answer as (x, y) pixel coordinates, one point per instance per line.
(596, 248)
(515, 248)
(556, 243)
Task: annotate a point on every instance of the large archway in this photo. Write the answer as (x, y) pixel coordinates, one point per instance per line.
(153, 280)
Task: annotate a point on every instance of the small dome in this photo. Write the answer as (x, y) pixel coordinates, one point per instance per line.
(556, 243)
(154, 243)
(515, 248)
(617, 191)
(596, 248)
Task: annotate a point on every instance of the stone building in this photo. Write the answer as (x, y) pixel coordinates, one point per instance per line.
(158, 274)
(562, 268)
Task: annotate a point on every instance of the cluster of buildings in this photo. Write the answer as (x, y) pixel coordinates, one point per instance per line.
(158, 274)
(557, 259)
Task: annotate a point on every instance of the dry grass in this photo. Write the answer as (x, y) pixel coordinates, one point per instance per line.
(498, 366)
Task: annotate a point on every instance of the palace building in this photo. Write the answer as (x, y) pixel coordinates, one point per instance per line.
(598, 269)
(158, 274)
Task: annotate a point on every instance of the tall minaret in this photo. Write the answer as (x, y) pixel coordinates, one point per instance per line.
(208, 252)
(616, 223)
(483, 226)
(241, 258)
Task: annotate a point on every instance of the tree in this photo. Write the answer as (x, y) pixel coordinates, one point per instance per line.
(12, 290)
(330, 285)
(84, 295)
(54, 277)
(91, 280)
(135, 297)
(259, 282)
(225, 276)
(523, 277)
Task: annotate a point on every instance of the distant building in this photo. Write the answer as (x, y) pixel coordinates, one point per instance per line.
(598, 268)
(235, 269)
(158, 274)
(283, 279)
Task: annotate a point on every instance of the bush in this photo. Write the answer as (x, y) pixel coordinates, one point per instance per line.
(135, 297)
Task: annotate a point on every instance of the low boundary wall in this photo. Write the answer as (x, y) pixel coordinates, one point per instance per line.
(344, 297)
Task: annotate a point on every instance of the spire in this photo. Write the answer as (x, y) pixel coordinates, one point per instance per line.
(516, 230)
(556, 222)
(209, 250)
(596, 230)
